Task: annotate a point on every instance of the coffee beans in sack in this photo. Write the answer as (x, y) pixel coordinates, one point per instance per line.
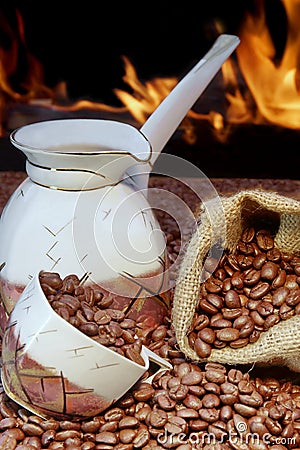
(237, 297)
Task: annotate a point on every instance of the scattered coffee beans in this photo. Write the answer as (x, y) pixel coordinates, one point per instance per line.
(88, 310)
(193, 406)
(188, 407)
(245, 294)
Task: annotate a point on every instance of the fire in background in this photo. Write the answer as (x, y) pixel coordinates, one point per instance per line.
(123, 64)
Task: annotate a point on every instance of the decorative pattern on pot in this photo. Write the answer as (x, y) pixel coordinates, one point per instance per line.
(54, 370)
(65, 217)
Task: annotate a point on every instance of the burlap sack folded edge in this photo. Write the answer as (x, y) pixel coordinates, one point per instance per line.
(186, 290)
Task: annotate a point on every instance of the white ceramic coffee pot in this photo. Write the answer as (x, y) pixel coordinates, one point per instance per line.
(83, 208)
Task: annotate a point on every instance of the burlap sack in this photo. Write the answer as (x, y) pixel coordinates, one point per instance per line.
(280, 345)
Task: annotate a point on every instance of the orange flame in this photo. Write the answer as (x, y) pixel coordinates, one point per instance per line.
(273, 85)
(257, 89)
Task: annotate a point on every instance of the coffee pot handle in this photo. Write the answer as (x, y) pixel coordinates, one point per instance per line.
(165, 119)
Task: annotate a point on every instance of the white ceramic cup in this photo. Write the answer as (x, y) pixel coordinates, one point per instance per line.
(54, 370)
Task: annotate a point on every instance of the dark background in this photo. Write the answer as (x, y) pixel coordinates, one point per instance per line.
(83, 43)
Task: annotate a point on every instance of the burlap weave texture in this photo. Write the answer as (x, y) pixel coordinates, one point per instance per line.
(280, 345)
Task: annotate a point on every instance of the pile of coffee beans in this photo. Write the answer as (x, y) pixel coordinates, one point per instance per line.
(246, 293)
(188, 407)
(193, 406)
(89, 311)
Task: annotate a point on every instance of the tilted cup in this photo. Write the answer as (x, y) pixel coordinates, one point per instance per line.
(54, 370)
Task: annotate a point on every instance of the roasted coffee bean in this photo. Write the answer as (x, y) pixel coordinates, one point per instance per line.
(196, 390)
(165, 402)
(285, 311)
(233, 263)
(229, 271)
(207, 335)
(51, 279)
(102, 317)
(259, 260)
(264, 240)
(218, 429)
(220, 323)
(89, 328)
(237, 280)
(291, 281)
(200, 321)
(87, 310)
(239, 343)
(7, 442)
(254, 399)
(192, 402)
(251, 277)
(207, 307)
(213, 366)
(209, 415)
(70, 301)
(220, 273)
(231, 313)
(215, 318)
(106, 437)
(215, 300)
(293, 298)
(224, 399)
(134, 355)
(245, 262)
(257, 319)
(70, 282)
(228, 334)
(215, 376)
(179, 392)
(248, 235)
(271, 320)
(280, 295)
(265, 308)
(227, 284)
(83, 307)
(229, 399)
(243, 322)
(157, 335)
(105, 301)
(143, 393)
(277, 412)
(232, 299)
(210, 401)
(246, 249)
(279, 280)
(214, 285)
(254, 336)
(273, 426)
(269, 271)
(202, 349)
(259, 291)
(16, 433)
(274, 255)
(8, 422)
(219, 344)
